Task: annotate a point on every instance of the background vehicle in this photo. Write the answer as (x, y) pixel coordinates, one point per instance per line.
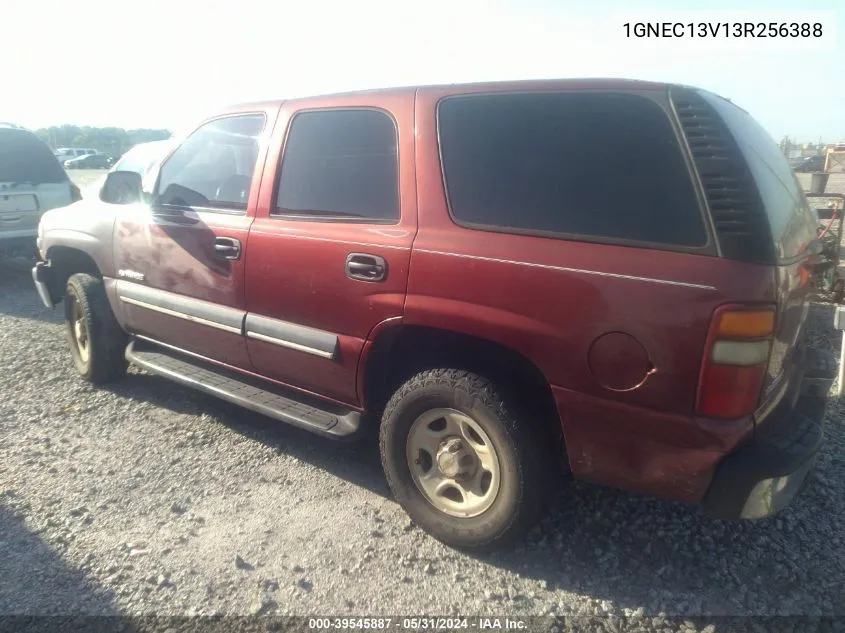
(143, 156)
(809, 164)
(90, 161)
(66, 153)
(140, 159)
(31, 182)
(446, 264)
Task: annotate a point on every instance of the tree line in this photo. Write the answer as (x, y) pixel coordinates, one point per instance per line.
(108, 140)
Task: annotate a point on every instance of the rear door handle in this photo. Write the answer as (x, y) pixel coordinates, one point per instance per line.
(227, 248)
(366, 267)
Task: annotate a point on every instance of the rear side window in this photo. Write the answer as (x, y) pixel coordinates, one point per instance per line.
(791, 220)
(25, 158)
(340, 164)
(603, 166)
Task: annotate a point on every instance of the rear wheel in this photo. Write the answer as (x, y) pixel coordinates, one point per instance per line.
(97, 342)
(461, 463)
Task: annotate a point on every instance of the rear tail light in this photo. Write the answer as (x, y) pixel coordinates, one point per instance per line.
(75, 193)
(735, 361)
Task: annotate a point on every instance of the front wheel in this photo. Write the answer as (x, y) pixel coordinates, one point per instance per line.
(97, 342)
(461, 463)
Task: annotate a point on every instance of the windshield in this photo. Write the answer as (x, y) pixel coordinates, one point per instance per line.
(25, 158)
(142, 157)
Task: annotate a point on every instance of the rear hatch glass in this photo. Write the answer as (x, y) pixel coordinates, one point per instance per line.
(791, 220)
(24, 158)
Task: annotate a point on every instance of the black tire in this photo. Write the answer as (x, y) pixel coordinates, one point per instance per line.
(526, 462)
(103, 359)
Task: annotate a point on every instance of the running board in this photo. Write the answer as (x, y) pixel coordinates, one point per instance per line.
(245, 391)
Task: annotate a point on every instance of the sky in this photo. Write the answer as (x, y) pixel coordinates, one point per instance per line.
(164, 63)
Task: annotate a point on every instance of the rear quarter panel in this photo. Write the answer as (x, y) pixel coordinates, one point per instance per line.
(552, 299)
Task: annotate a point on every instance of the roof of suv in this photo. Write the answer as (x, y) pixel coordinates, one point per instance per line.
(492, 86)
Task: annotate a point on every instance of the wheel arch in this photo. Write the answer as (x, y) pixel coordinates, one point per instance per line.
(66, 261)
(397, 351)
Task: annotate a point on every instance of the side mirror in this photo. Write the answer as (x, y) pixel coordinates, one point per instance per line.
(122, 187)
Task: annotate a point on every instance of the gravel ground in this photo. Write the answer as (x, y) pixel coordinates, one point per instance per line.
(147, 498)
(835, 182)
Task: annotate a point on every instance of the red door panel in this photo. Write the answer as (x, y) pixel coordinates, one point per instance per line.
(191, 296)
(308, 317)
(181, 275)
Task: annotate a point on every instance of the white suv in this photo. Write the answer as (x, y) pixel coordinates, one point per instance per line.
(31, 182)
(66, 153)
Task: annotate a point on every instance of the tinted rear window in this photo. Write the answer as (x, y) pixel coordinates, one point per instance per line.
(791, 220)
(597, 165)
(341, 163)
(25, 158)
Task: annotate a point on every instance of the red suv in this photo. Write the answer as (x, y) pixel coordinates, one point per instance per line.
(507, 280)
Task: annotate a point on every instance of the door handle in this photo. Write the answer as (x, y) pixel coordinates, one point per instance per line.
(173, 216)
(227, 247)
(366, 267)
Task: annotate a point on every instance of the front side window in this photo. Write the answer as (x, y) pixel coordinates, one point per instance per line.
(603, 166)
(340, 164)
(213, 168)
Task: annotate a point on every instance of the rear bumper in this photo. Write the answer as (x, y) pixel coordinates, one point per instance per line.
(767, 473)
(17, 241)
(42, 277)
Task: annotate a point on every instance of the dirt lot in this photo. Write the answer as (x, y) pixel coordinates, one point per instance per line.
(149, 498)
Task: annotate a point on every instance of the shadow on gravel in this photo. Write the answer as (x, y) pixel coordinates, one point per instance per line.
(15, 267)
(613, 545)
(41, 584)
(636, 551)
(357, 462)
(18, 297)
